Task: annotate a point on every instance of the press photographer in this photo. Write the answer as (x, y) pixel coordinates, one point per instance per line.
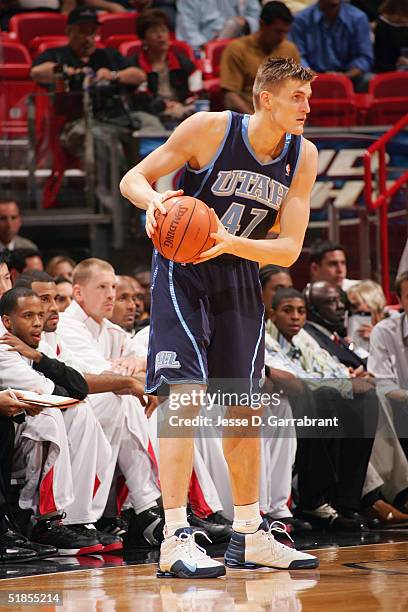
(81, 51)
(109, 78)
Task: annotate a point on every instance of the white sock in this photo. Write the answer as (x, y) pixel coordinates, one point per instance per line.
(247, 518)
(175, 518)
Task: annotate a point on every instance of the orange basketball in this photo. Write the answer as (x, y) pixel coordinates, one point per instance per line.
(184, 232)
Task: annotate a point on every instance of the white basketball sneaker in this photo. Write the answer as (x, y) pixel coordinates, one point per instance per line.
(260, 549)
(181, 557)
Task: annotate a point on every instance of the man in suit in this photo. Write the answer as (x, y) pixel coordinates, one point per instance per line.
(325, 322)
(10, 224)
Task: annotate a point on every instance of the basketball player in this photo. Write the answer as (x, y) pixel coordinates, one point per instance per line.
(207, 319)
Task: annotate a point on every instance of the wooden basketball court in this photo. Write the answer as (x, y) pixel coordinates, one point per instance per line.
(353, 578)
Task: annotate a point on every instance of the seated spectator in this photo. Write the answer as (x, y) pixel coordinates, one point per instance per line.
(167, 70)
(391, 36)
(64, 296)
(107, 64)
(242, 57)
(367, 302)
(326, 322)
(334, 36)
(345, 395)
(199, 22)
(331, 498)
(388, 358)
(10, 224)
(22, 260)
(328, 263)
(273, 278)
(108, 69)
(60, 265)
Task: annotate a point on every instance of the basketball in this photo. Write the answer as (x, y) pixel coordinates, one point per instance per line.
(184, 232)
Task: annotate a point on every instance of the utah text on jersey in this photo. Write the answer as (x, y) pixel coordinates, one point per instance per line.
(251, 185)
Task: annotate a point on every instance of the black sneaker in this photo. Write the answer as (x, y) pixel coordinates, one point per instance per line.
(69, 542)
(325, 517)
(13, 538)
(145, 529)
(115, 525)
(109, 541)
(293, 524)
(12, 553)
(218, 518)
(216, 532)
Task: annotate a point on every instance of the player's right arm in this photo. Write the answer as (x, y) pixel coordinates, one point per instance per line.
(194, 141)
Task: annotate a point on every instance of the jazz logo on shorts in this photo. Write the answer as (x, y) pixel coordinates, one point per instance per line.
(166, 359)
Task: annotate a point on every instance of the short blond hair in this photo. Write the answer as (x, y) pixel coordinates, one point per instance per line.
(371, 293)
(83, 271)
(275, 70)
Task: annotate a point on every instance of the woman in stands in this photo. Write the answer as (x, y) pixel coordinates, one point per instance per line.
(168, 71)
(367, 308)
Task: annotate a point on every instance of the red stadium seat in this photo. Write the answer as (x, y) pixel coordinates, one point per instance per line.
(213, 52)
(13, 52)
(183, 47)
(29, 25)
(15, 87)
(117, 23)
(389, 93)
(389, 85)
(333, 101)
(38, 41)
(132, 47)
(56, 41)
(117, 39)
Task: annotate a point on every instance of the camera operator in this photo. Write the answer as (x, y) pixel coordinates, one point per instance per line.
(110, 78)
(81, 52)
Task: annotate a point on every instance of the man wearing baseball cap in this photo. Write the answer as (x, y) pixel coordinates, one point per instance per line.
(81, 51)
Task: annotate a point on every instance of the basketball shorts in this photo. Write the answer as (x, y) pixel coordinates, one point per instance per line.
(207, 323)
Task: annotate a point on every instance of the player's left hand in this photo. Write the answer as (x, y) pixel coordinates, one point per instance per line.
(223, 243)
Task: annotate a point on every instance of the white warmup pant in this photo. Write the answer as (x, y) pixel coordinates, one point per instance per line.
(125, 426)
(49, 487)
(388, 467)
(90, 455)
(71, 476)
(203, 495)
